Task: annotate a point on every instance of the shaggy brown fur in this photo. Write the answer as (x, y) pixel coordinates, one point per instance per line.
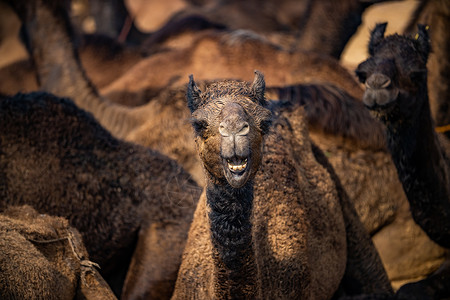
(132, 205)
(271, 222)
(42, 257)
(395, 75)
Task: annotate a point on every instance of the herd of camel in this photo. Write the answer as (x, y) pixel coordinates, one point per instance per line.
(226, 155)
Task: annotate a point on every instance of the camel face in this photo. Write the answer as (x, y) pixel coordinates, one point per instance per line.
(229, 128)
(395, 71)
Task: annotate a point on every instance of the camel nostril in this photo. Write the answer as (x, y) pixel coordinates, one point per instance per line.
(244, 130)
(223, 130)
(386, 84)
(240, 129)
(378, 81)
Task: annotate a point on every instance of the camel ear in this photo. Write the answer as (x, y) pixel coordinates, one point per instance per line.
(258, 87)
(193, 95)
(423, 41)
(376, 36)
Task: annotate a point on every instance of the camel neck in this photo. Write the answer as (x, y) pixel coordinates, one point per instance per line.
(231, 235)
(414, 148)
(423, 172)
(50, 39)
(51, 42)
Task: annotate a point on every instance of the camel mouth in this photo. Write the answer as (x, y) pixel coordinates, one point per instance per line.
(237, 171)
(383, 98)
(238, 166)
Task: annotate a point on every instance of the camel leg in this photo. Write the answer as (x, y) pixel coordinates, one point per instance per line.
(155, 262)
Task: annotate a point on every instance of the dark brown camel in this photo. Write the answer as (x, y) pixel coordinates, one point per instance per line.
(395, 76)
(396, 93)
(133, 206)
(272, 222)
(42, 257)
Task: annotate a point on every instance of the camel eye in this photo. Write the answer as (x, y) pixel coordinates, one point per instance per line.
(265, 126)
(199, 126)
(362, 76)
(416, 76)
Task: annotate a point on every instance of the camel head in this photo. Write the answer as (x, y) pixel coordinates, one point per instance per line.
(229, 120)
(395, 72)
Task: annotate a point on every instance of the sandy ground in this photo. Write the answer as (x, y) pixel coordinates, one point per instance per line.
(396, 13)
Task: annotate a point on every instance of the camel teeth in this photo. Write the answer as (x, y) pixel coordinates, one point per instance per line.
(237, 167)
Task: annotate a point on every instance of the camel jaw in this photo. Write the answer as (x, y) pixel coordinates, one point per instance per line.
(237, 171)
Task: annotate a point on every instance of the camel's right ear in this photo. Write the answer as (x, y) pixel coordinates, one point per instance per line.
(193, 95)
(258, 87)
(376, 36)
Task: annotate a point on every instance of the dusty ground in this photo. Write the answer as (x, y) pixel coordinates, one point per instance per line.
(149, 16)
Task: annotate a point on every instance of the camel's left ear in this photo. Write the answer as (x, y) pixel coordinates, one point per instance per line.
(376, 36)
(193, 95)
(258, 87)
(423, 41)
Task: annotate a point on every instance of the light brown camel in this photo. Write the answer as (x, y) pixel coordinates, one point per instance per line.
(272, 221)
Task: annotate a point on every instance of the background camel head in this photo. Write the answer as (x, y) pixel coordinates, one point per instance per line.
(229, 119)
(395, 72)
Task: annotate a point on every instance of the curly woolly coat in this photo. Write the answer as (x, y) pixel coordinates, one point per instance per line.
(43, 257)
(132, 205)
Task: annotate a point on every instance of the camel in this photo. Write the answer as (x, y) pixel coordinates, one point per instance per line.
(272, 221)
(43, 257)
(397, 95)
(133, 206)
(395, 76)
